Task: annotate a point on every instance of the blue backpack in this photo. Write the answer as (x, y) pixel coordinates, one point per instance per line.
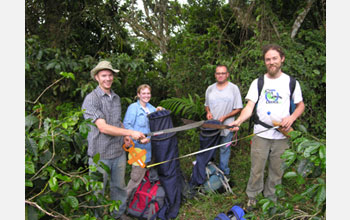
(235, 213)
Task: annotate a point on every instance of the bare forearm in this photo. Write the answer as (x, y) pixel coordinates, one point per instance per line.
(245, 113)
(300, 107)
(105, 128)
(114, 131)
(231, 114)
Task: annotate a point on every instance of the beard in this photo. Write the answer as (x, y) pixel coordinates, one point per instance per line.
(274, 69)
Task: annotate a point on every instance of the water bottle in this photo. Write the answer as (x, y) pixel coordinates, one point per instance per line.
(276, 121)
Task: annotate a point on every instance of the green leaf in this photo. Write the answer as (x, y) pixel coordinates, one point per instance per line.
(288, 213)
(51, 170)
(29, 183)
(289, 156)
(53, 184)
(294, 134)
(76, 184)
(30, 120)
(51, 65)
(72, 201)
(105, 167)
(31, 146)
(96, 158)
(47, 199)
(321, 195)
(67, 75)
(42, 143)
(29, 167)
(297, 198)
(310, 190)
(311, 149)
(92, 168)
(267, 205)
(321, 181)
(64, 178)
(84, 130)
(300, 179)
(322, 151)
(65, 125)
(305, 167)
(263, 201)
(290, 174)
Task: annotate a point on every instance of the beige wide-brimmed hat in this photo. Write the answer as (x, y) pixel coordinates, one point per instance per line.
(102, 65)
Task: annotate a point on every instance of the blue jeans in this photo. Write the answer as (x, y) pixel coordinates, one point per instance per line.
(117, 180)
(225, 153)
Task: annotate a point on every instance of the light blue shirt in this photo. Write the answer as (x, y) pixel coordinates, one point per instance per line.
(136, 119)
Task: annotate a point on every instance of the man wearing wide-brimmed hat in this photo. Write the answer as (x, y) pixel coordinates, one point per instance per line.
(103, 107)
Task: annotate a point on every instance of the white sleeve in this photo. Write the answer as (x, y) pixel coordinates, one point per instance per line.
(252, 94)
(297, 95)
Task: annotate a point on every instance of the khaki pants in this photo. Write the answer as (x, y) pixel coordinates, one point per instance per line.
(136, 176)
(263, 150)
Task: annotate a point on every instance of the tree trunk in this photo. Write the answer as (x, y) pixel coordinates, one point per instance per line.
(300, 18)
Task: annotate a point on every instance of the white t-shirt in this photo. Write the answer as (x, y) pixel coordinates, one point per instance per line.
(274, 97)
(222, 102)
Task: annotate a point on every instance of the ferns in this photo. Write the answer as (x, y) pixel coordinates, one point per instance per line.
(191, 108)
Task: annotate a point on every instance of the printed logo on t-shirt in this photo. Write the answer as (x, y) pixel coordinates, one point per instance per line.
(272, 96)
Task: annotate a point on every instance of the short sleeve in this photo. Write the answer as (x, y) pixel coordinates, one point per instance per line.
(130, 117)
(92, 107)
(297, 95)
(238, 98)
(252, 94)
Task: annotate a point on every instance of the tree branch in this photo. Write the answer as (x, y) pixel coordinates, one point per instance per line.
(300, 18)
(37, 99)
(34, 204)
(48, 162)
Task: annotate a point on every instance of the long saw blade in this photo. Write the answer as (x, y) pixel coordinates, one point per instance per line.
(210, 148)
(180, 128)
(209, 125)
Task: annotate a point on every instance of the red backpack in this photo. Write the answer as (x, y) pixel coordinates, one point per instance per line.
(147, 199)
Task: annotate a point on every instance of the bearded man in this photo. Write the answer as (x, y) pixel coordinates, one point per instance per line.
(270, 145)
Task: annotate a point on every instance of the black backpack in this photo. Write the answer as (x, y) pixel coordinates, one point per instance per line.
(255, 119)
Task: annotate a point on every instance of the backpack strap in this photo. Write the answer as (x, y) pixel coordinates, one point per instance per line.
(255, 119)
(292, 83)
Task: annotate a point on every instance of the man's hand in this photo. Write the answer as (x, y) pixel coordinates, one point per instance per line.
(127, 141)
(286, 123)
(145, 141)
(159, 108)
(209, 116)
(222, 119)
(236, 125)
(136, 135)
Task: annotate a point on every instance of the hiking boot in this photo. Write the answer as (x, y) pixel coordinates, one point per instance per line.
(251, 204)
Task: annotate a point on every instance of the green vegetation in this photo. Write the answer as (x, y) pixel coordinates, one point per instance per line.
(174, 48)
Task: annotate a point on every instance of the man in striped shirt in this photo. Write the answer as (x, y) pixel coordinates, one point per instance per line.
(103, 107)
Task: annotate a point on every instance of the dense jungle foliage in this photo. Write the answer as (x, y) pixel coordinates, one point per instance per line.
(174, 47)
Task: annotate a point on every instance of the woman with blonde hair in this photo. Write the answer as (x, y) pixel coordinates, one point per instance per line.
(136, 119)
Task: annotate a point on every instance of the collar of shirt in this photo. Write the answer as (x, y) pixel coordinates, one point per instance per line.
(101, 93)
(146, 109)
